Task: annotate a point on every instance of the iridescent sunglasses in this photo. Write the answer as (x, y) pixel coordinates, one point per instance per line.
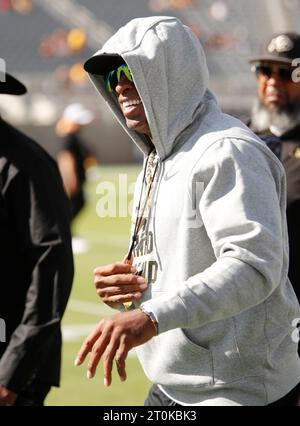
(113, 77)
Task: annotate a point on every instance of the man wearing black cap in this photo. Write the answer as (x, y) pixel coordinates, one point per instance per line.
(36, 264)
(276, 118)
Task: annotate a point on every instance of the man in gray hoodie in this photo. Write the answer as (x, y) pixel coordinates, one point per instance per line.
(208, 304)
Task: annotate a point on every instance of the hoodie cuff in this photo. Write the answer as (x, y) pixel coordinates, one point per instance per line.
(170, 312)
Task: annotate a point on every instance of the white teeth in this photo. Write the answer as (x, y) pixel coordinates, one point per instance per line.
(130, 103)
(272, 91)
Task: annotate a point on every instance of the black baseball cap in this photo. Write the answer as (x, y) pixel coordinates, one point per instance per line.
(282, 47)
(9, 85)
(103, 63)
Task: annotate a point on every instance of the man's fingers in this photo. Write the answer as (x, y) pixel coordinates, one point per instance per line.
(96, 355)
(114, 268)
(120, 357)
(130, 297)
(108, 361)
(102, 281)
(87, 345)
(84, 350)
(120, 290)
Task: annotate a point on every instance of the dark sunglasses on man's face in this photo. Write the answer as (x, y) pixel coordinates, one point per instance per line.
(113, 77)
(284, 73)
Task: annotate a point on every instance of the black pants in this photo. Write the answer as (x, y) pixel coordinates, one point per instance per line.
(34, 395)
(157, 398)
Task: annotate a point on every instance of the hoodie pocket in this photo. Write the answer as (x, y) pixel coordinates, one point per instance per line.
(221, 338)
(193, 362)
(173, 360)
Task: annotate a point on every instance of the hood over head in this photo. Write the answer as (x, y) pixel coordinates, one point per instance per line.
(169, 71)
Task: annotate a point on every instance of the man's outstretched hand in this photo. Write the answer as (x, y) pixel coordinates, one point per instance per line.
(112, 339)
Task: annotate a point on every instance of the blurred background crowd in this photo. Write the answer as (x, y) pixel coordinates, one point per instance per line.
(45, 44)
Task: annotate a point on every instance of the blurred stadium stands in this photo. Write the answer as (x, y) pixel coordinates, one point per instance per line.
(45, 43)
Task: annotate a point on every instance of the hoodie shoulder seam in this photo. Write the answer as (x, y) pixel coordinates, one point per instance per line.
(256, 144)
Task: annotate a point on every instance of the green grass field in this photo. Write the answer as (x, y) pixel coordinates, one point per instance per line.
(108, 240)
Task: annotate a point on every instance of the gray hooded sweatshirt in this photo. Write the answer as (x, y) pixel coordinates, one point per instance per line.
(215, 248)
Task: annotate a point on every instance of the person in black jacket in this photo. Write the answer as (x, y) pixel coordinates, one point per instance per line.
(73, 154)
(276, 119)
(36, 265)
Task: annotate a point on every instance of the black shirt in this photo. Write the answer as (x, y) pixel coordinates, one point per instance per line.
(73, 144)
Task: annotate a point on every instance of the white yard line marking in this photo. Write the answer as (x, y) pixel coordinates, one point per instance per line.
(90, 308)
(83, 245)
(77, 332)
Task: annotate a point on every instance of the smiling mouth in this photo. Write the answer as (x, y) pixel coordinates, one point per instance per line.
(131, 105)
(273, 92)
